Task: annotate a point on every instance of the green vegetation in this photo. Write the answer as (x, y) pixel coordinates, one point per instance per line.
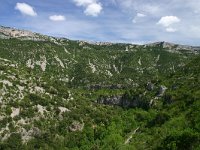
(62, 94)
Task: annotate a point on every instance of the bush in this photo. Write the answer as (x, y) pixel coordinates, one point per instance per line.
(160, 119)
(13, 142)
(185, 140)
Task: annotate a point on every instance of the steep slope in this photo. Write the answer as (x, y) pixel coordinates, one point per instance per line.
(56, 93)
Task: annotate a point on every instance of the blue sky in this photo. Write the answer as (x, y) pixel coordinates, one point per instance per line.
(131, 21)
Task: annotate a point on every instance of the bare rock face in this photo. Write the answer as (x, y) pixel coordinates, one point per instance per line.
(162, 90)
(27, 135)
(15, 33)
(6, 32)
(133, 103)
(76, 126)
(150, 86)
(15, 112)
(113, 100)
(122, 101)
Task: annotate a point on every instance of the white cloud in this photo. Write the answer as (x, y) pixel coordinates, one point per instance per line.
(141, 15)
(84, 2)
(137, 17)
(169, 29)
(166, 21)
(25, 9)
(92, 7)
(57, 18)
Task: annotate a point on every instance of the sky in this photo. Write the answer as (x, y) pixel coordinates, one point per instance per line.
(129, 21)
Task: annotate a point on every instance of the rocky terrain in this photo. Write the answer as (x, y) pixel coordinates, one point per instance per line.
(56, 93)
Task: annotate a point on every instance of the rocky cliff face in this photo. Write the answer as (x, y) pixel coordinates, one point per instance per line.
(133, 100)
(111, 100)
(6, 32)
(123, 101)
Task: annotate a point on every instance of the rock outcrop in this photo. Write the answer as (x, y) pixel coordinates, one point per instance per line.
(6, 33)
(76, 126)
(150, 86)
(112, 100)
(123, 101)
(162, 90)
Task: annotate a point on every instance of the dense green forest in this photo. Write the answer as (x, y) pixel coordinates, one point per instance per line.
(63, 94)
